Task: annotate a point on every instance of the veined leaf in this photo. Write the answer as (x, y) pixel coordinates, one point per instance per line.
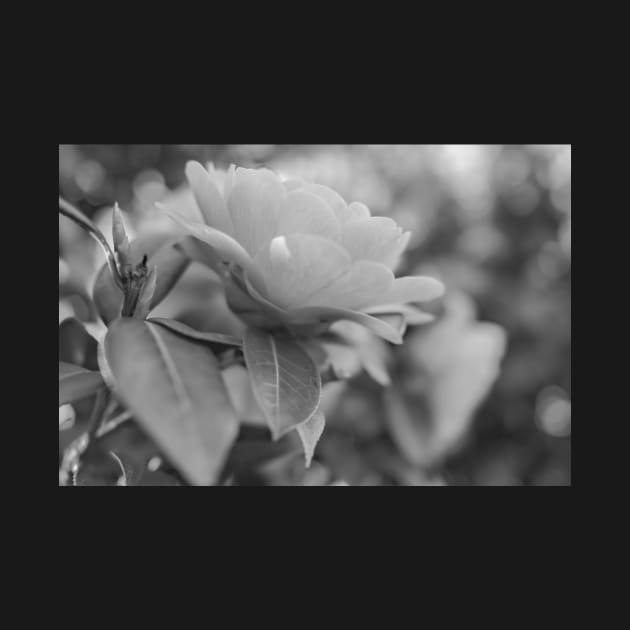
(175, 390)
(285, 380)
(191, 333)
(76, 382)
(310, 432)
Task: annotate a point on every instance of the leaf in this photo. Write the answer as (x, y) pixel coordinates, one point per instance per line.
(310, 432)
(76, 345)
(247, 456)
(76, 382)
(175, 390)
(191, 333)
(285, 380)
(170, 262)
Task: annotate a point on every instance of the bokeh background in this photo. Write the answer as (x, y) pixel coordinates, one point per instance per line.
(480, 397)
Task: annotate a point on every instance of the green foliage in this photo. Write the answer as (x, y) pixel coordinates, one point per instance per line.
(192, 390)
(175, 391)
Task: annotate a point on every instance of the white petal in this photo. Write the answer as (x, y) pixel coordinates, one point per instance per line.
(333, 199)
(411, 314)
(303, 212)
(254, 203)
(228, 183)
(293, 184)
(182, 202)
(360, 285)
(379, 239)
(298, 265)
(330, 314)
(412, 289)
(208, 197)
(355, 212)
(226, 248)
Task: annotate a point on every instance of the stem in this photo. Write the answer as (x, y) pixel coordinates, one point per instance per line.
(68, 210)
(112, 424)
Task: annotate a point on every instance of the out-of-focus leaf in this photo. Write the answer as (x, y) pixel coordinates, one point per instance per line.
(133, 446)
(310, 432)
(248, 455)
(214, 339)
(108, 298)
(175, 390)
(359, 346)
(97, 468)
(76, 345)
(158, 478)
(285, 380)
(75, 382)
(456, 362)
(161, 253)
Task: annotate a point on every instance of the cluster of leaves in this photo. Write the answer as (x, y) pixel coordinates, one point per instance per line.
(418, 431)
(168, 377)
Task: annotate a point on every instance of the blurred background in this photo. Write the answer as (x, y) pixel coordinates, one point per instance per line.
(480, 397)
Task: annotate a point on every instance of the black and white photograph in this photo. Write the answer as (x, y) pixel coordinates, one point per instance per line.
(314, 315)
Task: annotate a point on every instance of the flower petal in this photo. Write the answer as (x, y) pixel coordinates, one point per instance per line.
(222, 179)
(305, 213)
(209, 199)
(298, 265)
(322, 313)
(412, 289)
(293, 184)
(360, 285)
(254, 203)
(411, 314)
(344, 212)
(379, 239)
(355, 212)
(226, 248)
(333, 199)
(182, 202)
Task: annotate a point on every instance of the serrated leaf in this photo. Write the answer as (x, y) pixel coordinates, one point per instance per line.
(191, 333)
(175, 390)
(285, 380)
(75, 382)
(310, 432)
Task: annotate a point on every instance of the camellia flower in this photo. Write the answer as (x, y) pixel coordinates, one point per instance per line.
(296, 255)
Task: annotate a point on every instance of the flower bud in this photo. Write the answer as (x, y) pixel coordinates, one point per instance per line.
(121, 242)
